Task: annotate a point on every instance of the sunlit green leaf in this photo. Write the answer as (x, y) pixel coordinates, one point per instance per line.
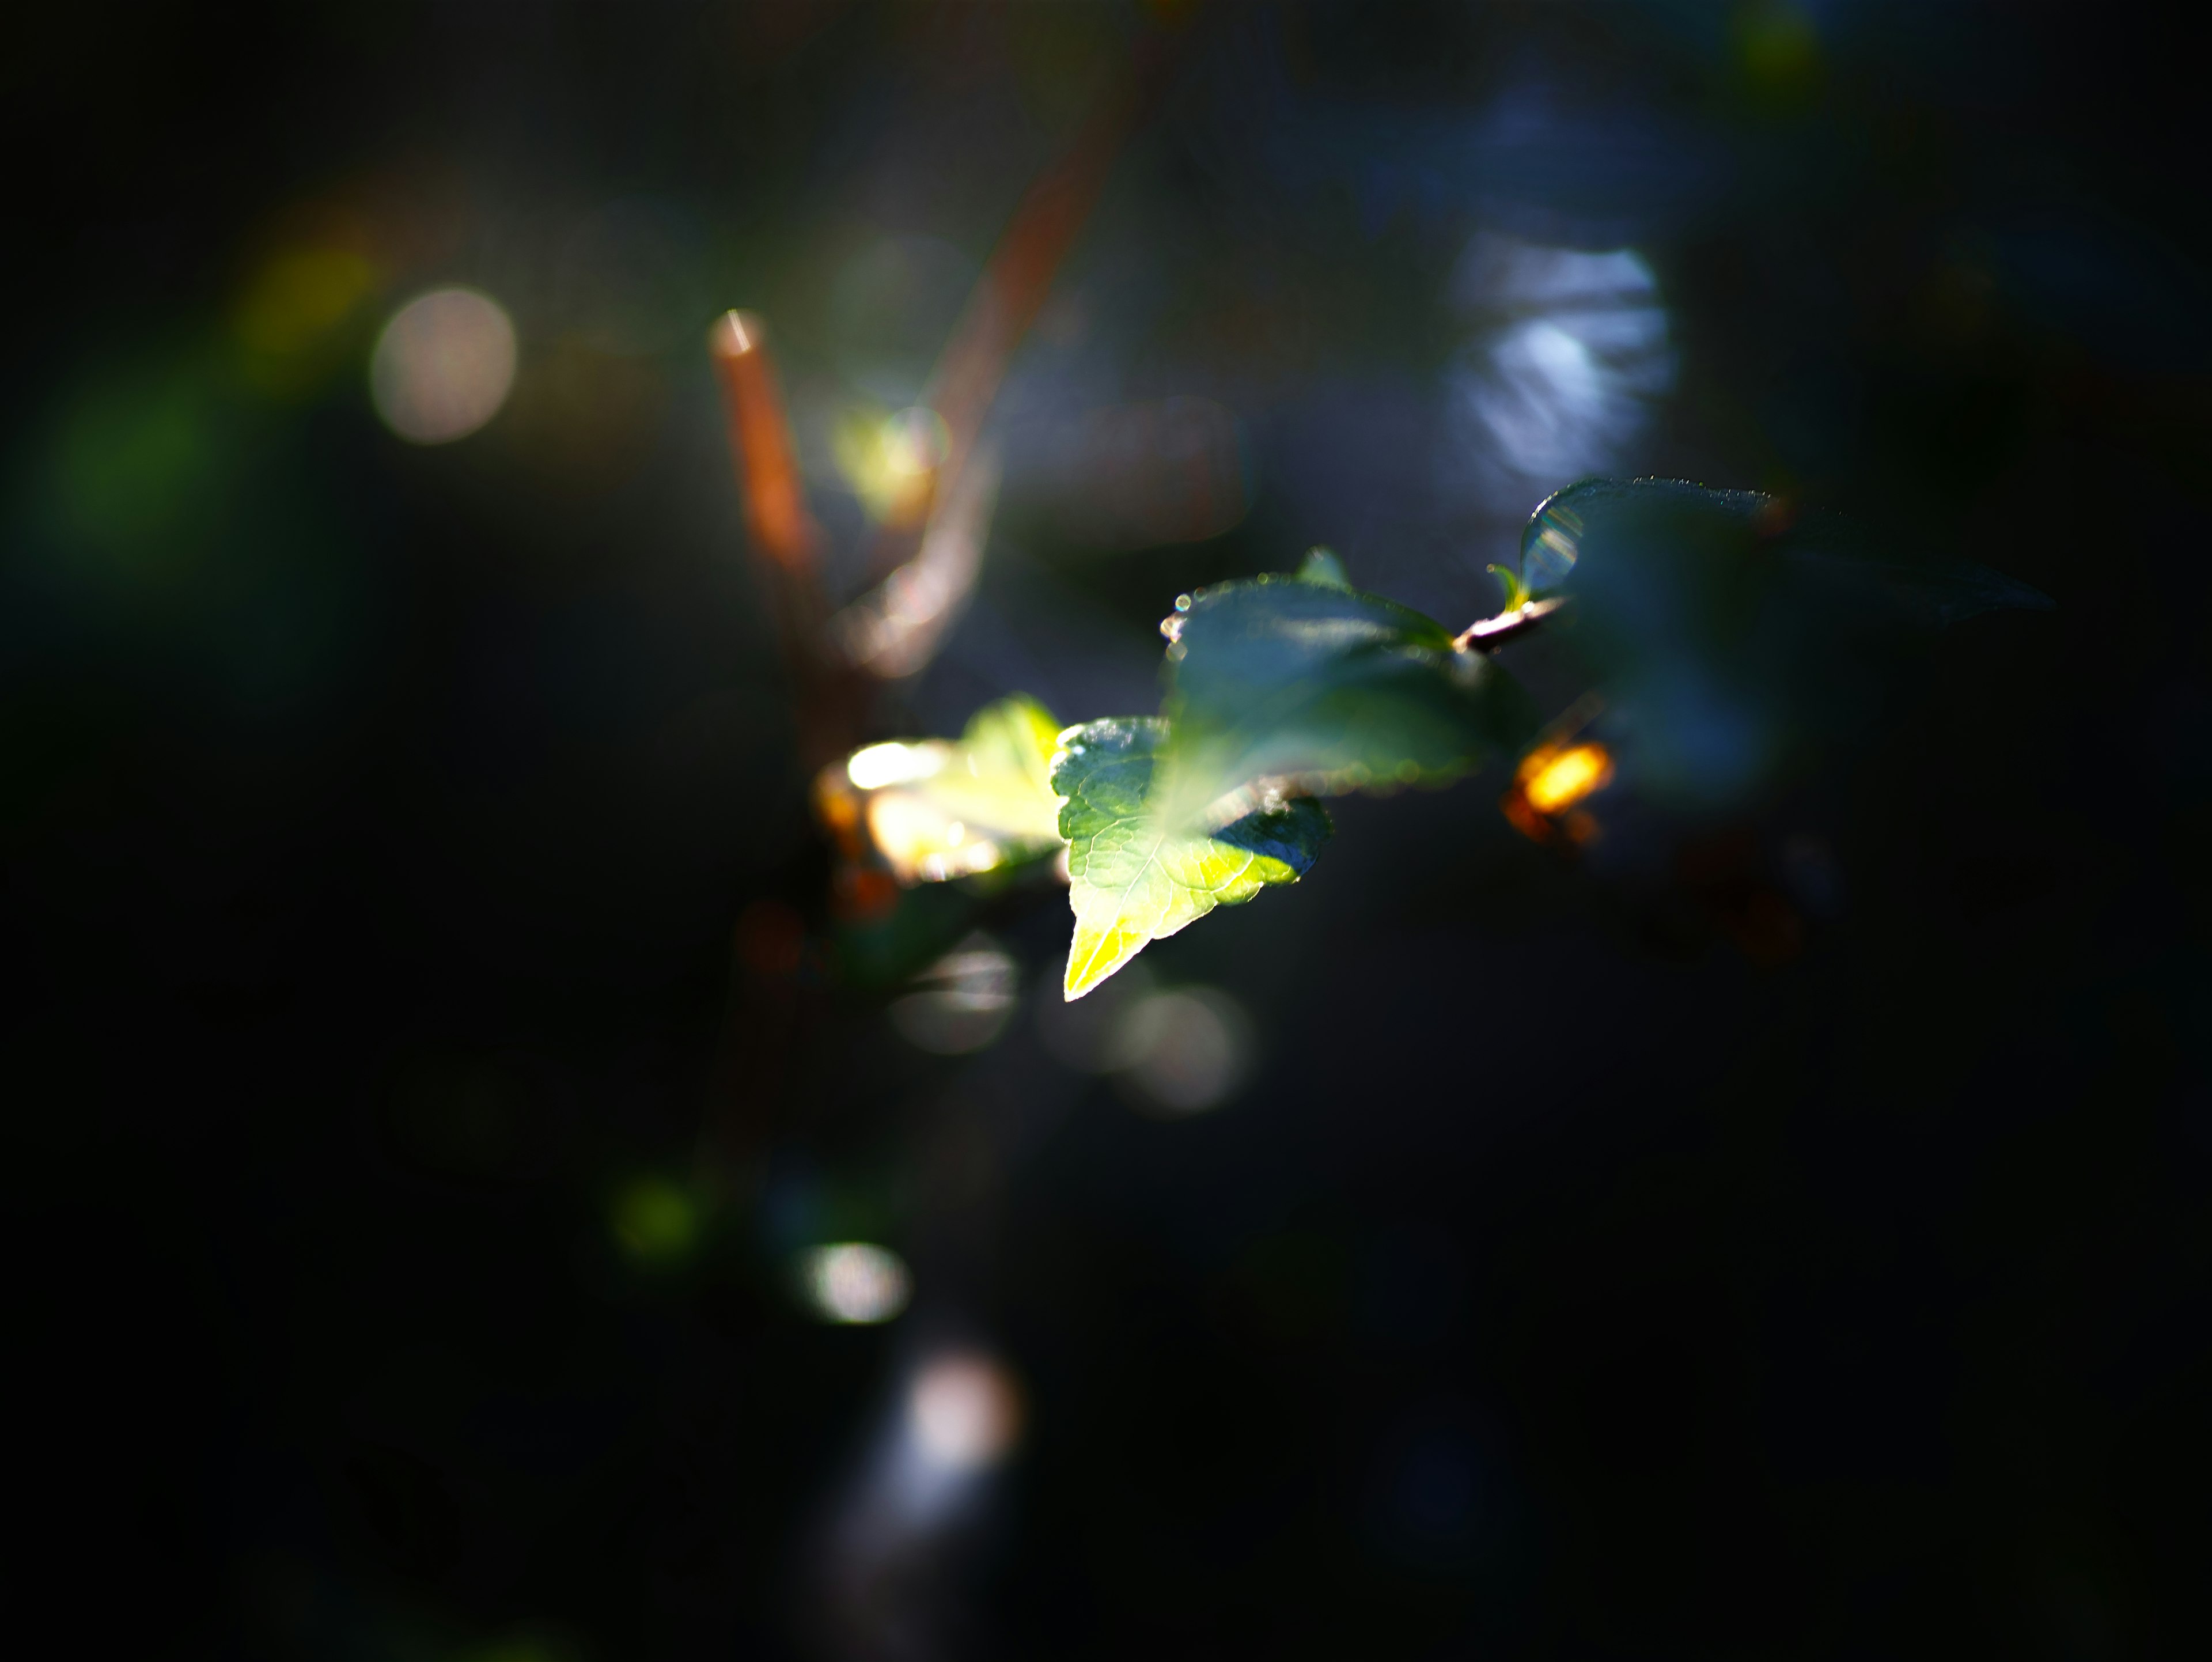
(999, 776)
(1132, 878)
(937, 810)
(1280, 686)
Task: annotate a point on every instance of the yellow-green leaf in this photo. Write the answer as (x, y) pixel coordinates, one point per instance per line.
(1132, 878)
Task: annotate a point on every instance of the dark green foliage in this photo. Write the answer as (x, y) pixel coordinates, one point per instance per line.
(1281, 683)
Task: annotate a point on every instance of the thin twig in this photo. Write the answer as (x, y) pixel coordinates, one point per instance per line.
(761, 447)
(766, 459)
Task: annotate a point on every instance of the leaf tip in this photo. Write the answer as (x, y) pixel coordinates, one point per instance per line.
(1093, 955)
(1516, 592)
(1079, 981)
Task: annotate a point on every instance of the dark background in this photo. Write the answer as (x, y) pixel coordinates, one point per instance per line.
(1571, 1280)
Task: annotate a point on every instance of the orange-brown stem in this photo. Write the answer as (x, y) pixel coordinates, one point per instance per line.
(761, 447)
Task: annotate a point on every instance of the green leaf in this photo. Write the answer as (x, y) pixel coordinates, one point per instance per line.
(937, 810)
(1516, 592)
(1132, 878)
(1000, 775)
(1282, 687)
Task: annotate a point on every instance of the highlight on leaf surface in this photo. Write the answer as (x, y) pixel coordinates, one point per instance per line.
(936, 809)
(1283, 686)
(1134, 877)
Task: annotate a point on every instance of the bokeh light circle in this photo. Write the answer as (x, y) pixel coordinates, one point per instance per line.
(856, 1284)
(443, 366)
(964, 1411)
(1185, 1051)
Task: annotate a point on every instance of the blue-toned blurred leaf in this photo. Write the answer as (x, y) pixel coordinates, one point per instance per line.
(1131, 878)
(1652, 519)
(1280, 686)
(1936, 592)
(1726, 632)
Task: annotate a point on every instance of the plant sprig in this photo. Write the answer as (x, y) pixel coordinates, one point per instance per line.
(1282, 689)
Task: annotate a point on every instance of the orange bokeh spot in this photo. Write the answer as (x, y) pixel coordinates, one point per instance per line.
(1552, 782)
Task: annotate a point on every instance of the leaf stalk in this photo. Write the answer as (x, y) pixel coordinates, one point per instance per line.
(1492, 633)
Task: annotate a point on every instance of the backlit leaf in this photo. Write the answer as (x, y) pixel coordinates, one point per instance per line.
(999, 776)
(1132, 878)
(936, 809)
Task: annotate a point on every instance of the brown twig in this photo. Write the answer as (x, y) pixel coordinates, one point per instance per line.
(766, 464)
(761, 447)
(829, 699)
